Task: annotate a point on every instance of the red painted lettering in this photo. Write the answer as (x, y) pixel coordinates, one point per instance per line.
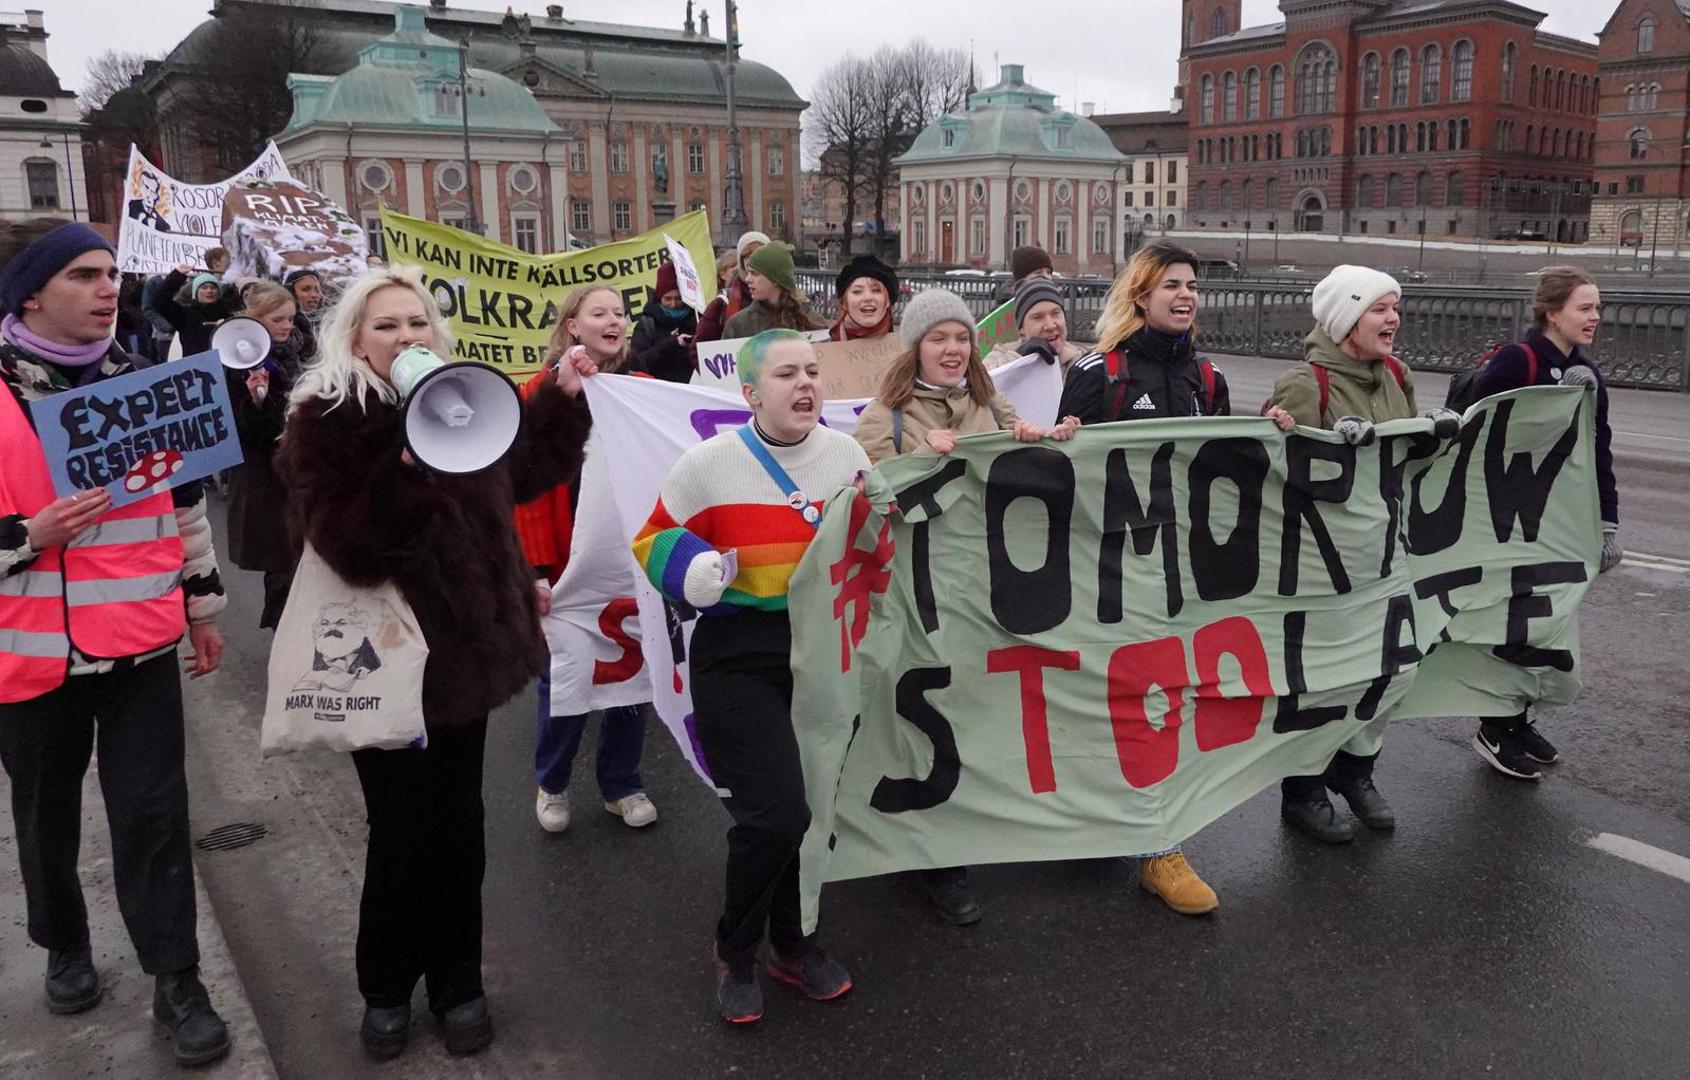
(627, 665)
(1148, 755)
(1223, 721)
(1029, 661)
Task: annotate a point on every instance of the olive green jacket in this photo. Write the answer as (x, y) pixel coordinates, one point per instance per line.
(1355, 387)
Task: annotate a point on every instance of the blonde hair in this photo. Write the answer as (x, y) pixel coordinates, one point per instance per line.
(571, 307)
(267, 298)
(1555, 286)
(1122, 317)
(337, 374)
(897, 386)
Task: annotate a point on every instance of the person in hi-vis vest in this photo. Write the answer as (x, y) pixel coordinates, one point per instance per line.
(93, 602)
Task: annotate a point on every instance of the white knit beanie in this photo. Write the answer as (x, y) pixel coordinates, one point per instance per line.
(930, 307)
(1345, 294)
(746, 239)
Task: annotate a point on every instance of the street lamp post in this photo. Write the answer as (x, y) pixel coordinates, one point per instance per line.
(734, 220)
(1422, 264)
(471, 221)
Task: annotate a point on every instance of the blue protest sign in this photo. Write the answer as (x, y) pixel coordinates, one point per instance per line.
(161, 425)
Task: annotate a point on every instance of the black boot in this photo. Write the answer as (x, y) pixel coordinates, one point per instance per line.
(1351, 776)
(183, 1008)
(1305, 807)
(73, 985)
(952, 896)
(385, 1031)
(469, 1027)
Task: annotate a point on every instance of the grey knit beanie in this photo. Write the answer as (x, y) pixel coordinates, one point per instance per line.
(930, 307)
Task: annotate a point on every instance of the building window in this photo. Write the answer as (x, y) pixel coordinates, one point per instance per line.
(1370, 81)
(450, 177)
(1399, 78)
(918, 237)
(1431, 74)
(43, 178)
(1317, 79)
(1423, 189)
(1150, 172)
(1201, 198)
(375, 176)
(621, 215)
(1173, 200)
(1253, 94)
(1364, 193)
(453, 222)
(977, 236)
(1634, 185)
(1461, 72)
(1639, 143)
(1023, 229)
(695, 158)
(578, 156)
(1464, 135)
(777, 216)
(1510, 58)
(525, 233)
(1173, 172)
(580, 215)
(1646, 35)
(373, 237)
(1206, 100)
(1061, 239)
(1217, 24)
(1455, 192)
(777, 161)
(1229, 98)
(1531, 93)
(948, 137)
(1127, 199)
(523, 180)
(1393, 189)
(1099, 234)
(619, 156)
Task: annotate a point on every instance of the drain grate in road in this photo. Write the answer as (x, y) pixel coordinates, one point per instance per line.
(229, 837)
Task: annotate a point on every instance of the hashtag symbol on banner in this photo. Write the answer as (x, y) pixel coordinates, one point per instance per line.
(858, 574)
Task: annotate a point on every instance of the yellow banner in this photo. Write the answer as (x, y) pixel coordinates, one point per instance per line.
(502, 302)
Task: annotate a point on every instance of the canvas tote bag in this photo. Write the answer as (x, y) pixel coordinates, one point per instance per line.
(346, 668)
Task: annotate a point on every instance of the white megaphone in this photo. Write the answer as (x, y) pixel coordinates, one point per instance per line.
(241, 343)
(459, 417)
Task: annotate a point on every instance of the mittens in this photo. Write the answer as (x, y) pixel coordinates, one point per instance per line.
(1040, 346)
(1578, 375)
(703, 585)
(1612, 553)
(1355, 430)
(1446, 423)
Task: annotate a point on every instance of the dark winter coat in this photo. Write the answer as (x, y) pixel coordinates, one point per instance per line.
(657, 350)
(1509, 369)
(258, 504)
(446, 541)
(1164, 379)
(193, 321)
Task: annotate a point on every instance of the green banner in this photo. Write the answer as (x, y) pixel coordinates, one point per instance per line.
(1075, 650)
(997, 328)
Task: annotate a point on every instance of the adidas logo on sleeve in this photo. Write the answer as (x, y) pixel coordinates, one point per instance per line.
(1144, 404)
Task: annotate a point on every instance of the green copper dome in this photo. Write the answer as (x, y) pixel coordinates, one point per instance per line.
(1012, 119)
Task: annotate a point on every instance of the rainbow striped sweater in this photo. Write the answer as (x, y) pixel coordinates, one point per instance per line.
(718, 497)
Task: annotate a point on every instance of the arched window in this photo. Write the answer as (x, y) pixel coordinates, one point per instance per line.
(1253, 94)
(1399, 78)
(1510, 57)
(1226, 195)
(1531, 100)
(1466, 135)
(1276, 91)
(1270, 192)
(1529, 130)
(1455, 191)
(1190, 25)
(1646, 35)
(1229, 98)
(1631, 99)
(1317, 79)
(1431, 74)
(1202, 193)
(1423, 189)
(1590, 102)
(1449, 139)
(1653, 100)
(1639, 143)
(1217, 24)
(1560, 89)
(1432, 136)
(1364, 192)
(1420, 136)
(1207, 99)
(1370, 81)
(1542, 141)
(1461, 72)
(1393, 189)
(1555, 144)
(1247, 197)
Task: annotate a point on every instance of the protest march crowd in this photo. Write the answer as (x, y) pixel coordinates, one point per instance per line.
(95, 595)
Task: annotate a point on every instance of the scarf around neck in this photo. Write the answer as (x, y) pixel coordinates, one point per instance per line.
(13, 330)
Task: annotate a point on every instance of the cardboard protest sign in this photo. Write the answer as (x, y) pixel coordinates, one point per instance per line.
(718, 364)
(166, 222)
(686, 274)
(274, 229)
(140, 433)
(503, 302)
(997, 328)
(853, 369)
(1095, 648)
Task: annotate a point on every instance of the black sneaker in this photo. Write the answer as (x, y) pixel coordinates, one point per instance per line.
(183, 1009)
(1365, 802)
(1504, 752)
(1316, 817)
(952, 896)
(738, 995)
(1536, 747)
(73, 984)
(821, 977)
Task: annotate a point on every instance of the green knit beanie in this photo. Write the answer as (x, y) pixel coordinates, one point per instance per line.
(774, 261)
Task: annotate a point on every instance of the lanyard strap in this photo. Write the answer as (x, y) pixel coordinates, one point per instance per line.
(795, 496)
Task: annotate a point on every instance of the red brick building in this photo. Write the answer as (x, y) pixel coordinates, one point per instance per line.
(1642, 163)
(1459, 117)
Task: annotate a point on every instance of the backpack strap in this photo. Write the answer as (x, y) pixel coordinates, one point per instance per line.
(897, 431)
(997, 417)
(1531, 363)
(1324, 378)
(1398, 372)
(1207, 371)
(1115, 377)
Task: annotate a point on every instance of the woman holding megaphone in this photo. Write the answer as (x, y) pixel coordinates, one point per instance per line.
(376, 514)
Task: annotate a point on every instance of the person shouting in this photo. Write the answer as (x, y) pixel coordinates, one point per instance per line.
(590, 319)
(867, 289)
(756, 491)
(664, 334)
(1041, 321)
(376, 515)
(93, 601)
(776, 302)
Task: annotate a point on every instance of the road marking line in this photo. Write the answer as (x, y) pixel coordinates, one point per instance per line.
(1646, 435)
(1654, 858)
(1658, 558)
(1655, 566)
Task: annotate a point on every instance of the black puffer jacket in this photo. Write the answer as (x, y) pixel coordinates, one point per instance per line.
(1163, 378)
(657, 349)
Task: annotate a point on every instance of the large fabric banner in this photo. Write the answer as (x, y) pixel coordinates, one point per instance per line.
(166, 222)
(503, 302)
(1058, 651)
(641, 427)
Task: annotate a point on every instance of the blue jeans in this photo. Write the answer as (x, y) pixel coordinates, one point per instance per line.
(621, 738)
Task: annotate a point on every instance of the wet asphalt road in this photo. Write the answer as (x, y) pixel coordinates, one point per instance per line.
(1485, 938)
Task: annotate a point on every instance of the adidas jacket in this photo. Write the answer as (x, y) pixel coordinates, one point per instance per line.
(1156, 388)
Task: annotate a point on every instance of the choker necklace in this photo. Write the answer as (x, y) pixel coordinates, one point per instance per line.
(770, 439)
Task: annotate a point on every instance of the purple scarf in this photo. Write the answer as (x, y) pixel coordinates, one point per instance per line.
(70, 356)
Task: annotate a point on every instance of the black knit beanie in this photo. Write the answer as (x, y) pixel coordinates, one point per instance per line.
(870, 267)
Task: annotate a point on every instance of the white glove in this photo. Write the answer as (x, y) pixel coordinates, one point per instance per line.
(1580, 376)
(1612, 553)
(1446, 423)
(1355, 430)
(703, 585)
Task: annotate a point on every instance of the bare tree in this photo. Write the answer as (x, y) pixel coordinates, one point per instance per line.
(840, 121)
(109, 73)
(235, 96)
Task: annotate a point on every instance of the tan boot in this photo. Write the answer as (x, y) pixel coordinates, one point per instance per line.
(1172, 878)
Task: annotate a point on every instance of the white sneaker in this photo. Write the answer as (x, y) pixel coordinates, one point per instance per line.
(635, 810)
(552, 810)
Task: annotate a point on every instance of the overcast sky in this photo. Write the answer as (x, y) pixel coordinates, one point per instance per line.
(1123, 61)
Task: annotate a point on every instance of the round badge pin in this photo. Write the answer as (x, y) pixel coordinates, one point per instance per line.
(796, 500)
(812, 515)
(1555, 373)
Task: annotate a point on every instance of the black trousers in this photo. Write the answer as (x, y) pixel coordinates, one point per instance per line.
(420, 915)
(742, 704)
(135, 715)
(1344, 766)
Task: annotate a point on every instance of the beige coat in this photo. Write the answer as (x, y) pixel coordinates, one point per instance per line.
(1010, 351)
(930, 410)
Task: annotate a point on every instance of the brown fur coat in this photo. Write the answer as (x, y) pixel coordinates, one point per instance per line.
(447, 542)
